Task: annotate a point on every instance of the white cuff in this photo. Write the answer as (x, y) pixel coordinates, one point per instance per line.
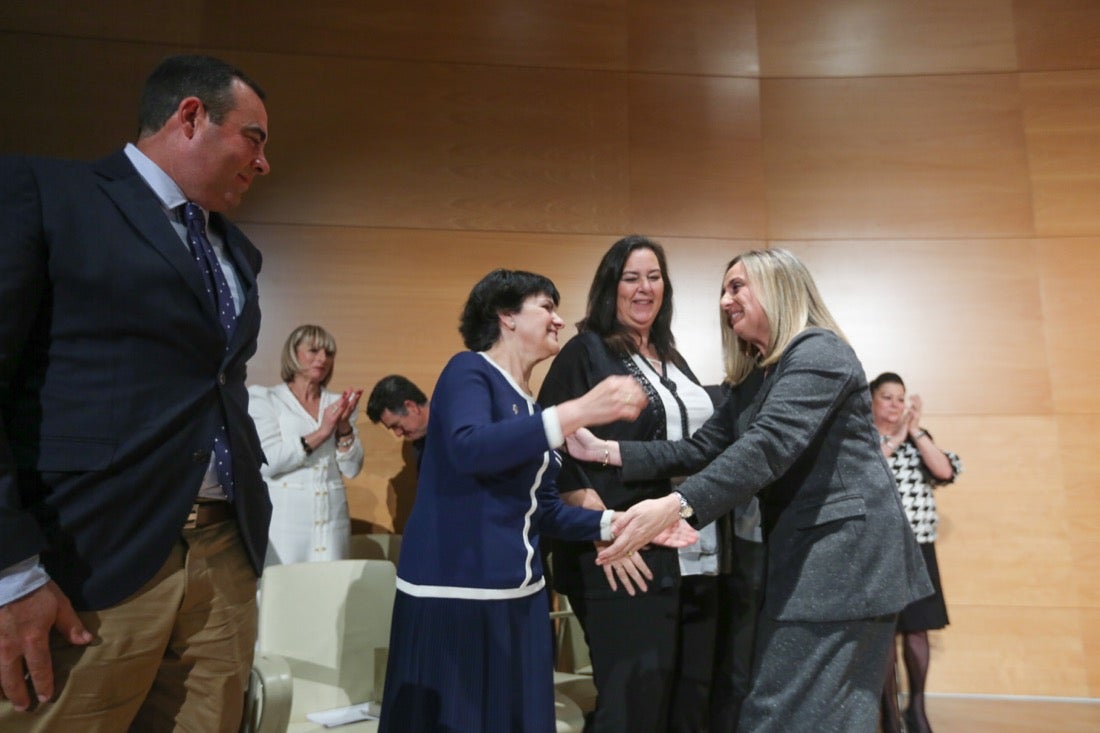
(21, 578)
(552, 426)
(605, 525)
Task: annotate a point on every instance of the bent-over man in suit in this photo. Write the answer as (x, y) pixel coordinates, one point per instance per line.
(402, 408)
(133, 519)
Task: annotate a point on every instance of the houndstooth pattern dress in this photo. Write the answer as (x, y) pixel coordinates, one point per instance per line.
(915, 485)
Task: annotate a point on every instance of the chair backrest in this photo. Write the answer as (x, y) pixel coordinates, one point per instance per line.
(572, 647)
(330, 621)
(375, 547)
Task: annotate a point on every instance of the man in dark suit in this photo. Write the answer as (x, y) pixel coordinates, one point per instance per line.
(132, 511)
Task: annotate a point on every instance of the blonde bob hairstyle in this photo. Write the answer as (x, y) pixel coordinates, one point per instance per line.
(790, 299)
(313, 337)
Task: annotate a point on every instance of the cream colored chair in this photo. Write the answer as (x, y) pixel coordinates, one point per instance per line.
(375, 547)
(568, 716)
(324, 632)
(573, 677)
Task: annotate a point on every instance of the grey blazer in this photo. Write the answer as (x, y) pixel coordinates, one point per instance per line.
(838, 545)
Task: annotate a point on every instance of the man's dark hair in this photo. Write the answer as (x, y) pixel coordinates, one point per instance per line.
(179, 77)
(390, 394)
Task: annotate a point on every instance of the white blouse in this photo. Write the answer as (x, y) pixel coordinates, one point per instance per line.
(700, 558)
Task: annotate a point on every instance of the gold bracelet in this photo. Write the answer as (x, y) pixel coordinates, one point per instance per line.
(606, 453)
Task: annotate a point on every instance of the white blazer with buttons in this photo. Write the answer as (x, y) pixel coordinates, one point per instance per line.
(309, 520)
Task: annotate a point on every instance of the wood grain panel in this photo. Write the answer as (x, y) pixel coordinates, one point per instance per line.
(991, 649)
(397, 144)
(588, 34)
(567, 34)
(916, 157)
(1000, 714)
(64, 107)
(1070, 272)
(884, 37)
(1079, 435)
(1004, 536)
(132, 20)
(1090, 634)
(695, 156)
(960, 320)
(1057, 34)
(1062, 123)
(694, 37)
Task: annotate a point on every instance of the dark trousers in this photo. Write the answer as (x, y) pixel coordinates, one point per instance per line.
(632, 642)
(698, 655)
(739, 604)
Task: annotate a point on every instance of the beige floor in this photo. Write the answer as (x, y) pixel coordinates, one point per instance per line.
(964, 714)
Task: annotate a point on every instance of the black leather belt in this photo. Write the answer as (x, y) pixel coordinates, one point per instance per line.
(205, 513)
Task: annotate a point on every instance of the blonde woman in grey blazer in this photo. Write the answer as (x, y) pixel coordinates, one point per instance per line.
(841, 559)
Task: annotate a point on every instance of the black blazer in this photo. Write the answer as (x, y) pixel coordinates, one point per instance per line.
(583, 362)
(114, 375)
(839, 547)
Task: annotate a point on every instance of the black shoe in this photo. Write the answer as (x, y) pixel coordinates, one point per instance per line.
(916, 722)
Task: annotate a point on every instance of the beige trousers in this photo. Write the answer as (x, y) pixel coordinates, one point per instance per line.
(175, 656)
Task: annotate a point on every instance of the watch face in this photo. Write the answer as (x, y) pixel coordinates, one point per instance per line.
(685, 508)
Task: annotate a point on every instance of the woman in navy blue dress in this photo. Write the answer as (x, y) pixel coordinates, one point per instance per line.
(470, 648)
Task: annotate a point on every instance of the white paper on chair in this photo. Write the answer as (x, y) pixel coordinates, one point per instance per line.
(343, 716)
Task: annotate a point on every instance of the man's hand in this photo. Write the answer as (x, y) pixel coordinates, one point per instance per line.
(25, 626)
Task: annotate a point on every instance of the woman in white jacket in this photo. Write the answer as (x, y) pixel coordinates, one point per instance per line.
(309, 437)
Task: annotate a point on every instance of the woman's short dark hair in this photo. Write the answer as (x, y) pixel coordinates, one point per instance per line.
(885, 378)
(501, 291)
(602, 317)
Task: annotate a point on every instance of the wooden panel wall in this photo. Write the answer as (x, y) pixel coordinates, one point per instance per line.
(937, 164)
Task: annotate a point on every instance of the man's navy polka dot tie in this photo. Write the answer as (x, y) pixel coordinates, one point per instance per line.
(218, 288)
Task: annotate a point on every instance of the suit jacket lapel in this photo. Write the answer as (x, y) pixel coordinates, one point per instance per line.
(143, 210)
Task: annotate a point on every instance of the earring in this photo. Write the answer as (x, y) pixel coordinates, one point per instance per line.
(512, 325)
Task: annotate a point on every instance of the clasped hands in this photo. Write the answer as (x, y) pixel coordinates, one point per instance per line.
(629, 567)
(653, 521)
(908, 423)
(337, 416)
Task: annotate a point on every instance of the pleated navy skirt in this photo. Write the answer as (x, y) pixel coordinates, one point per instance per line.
(464, 666)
